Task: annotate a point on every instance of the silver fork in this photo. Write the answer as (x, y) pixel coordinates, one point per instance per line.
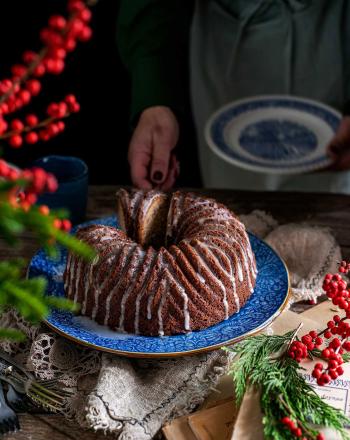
(24, 382)
(8, 419)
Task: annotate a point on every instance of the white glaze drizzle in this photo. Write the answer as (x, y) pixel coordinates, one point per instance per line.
(88, 283)
(124, 263)
(140, 255)
(154, 290)
(147, 201)
(173, 214)
(150, 301)
(243, 259)
(201, 279)
(246, 255)
(244, 235)
(77, 280)
(141, 293)
(228, 274)
(99, 289)
(245, 263)
(202, 261)
(185, 298)
(66, 281)
(135, 201)
(107, 238)
(71, 277)
(163, 286)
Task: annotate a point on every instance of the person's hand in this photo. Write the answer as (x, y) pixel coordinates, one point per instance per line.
(152, 163)
(339, 147)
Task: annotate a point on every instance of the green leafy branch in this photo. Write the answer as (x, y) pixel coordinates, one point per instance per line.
(14, 221)
(28, 296)
(261, 363)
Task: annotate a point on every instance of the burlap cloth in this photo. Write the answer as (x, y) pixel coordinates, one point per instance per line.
(134, 398)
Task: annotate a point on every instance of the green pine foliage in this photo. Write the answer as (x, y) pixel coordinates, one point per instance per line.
(261, 362)
(27, 296)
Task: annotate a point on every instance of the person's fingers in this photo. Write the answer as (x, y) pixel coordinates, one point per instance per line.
(165, 138)
(160, 158)
(139, 157)
(341, 159)
(150, 148)
(343, 132)
(341, 140)
(139, 164)
(173, 174)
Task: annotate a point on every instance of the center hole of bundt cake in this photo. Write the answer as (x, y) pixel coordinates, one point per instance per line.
(152, 230)
(144, 220)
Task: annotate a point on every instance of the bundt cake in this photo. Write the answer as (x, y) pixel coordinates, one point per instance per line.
(179, 263)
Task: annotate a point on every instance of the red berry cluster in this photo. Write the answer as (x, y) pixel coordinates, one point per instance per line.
(63, 108)
(296, 429)
(330, 348)
(59, 37)
(299, 349)
(344, 267)
(31, 130)
(292, 426)
(337, 326)
(336, 289)
(312, 340)
(333, 369)
(39, 181)
(15, 94)
(336, 334)
(64, 225)
(333, 353)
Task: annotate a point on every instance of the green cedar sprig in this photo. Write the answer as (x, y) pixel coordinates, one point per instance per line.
(261, 363)
(14, 222)
(27, 296)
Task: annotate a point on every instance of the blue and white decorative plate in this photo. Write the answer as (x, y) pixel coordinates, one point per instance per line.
(273, 134)
(266, 303)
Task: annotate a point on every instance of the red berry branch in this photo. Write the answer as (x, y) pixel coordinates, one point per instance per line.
(19, 189)
(330, 348)
(270, 364)
(298, 429)
(31, 130)
(336, 334)
(35, 181)
(59, 38)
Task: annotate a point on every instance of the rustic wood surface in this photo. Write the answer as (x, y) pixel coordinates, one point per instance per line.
(332, 211)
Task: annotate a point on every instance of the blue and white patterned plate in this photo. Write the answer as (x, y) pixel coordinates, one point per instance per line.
(273, 134)
(267, 301)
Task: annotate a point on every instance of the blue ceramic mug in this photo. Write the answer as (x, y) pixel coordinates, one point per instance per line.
(72, 177)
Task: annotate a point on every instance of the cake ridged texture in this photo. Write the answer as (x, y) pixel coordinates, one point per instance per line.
(204, 272)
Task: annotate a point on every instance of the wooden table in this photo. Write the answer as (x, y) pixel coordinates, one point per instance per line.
(331, 211)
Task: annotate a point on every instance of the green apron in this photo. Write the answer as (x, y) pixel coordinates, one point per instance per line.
(243, 48)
